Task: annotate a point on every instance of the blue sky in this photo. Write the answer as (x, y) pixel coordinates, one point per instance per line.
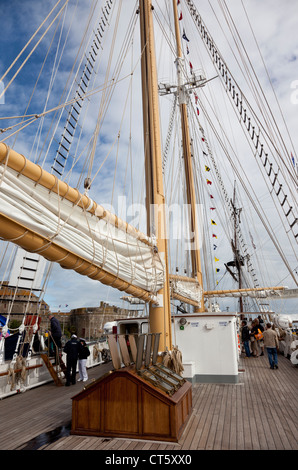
(274, 25)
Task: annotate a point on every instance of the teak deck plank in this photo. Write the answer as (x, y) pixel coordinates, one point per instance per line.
(258, 413)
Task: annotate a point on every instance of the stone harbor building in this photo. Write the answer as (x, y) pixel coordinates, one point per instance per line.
(20, 301)
(88, 322)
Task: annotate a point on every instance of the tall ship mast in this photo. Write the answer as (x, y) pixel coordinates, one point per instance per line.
(160, 316)
(183, 98)
(59, 184)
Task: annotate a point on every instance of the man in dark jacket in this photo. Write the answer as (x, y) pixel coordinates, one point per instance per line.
(245, 337)
(71, 349)
(56, 334)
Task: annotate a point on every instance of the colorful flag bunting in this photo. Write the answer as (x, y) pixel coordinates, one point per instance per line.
(184, 36)
(196, 100)
(207, 168)
(217, 270)
(198, 112)
(214, 236)
(180, 17)
(212, 208)
(187, 50)
(216, 259)
(211, 196)
(214, 247)
(212, 222)
(209, 182)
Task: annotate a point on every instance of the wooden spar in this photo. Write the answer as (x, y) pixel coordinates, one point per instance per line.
(176, 277)
(160, 316)
(185, 300)
(19, 163)
(234, 291)
(31, 241)
(35, 243)
(215, 293)
(191, 199)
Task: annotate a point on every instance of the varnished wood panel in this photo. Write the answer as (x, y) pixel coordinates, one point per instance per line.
(157, 415)
(121, 412)
(88, 413)
(183, 410)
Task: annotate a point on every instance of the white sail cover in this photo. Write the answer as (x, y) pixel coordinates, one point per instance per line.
(80, 232)
(190, 290)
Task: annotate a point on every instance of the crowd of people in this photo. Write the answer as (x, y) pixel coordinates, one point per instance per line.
(256, 336)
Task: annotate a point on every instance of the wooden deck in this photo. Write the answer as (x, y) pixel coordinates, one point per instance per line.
(259, 413)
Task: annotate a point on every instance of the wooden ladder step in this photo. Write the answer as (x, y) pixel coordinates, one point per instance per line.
(52, 370)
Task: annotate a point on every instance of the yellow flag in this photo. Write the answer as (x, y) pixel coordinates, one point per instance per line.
(212, 222)
(216, 259)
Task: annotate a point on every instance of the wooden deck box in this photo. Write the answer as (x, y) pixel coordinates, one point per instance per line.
(123, 404)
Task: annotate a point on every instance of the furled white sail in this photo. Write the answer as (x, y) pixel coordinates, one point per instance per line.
(187, 288)
(45, 216)
(74, 228)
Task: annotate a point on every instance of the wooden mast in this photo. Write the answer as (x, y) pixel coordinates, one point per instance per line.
(191, 199)
(160, 316)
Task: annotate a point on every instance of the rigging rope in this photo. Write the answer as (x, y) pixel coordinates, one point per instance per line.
(266, 225)
(36, 45)
(269, 79)
(238, 98)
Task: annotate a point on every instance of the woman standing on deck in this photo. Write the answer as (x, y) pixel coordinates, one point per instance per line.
(258, 344)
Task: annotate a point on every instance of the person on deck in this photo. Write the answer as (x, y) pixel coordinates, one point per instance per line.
(245, 338)
(71, 349)
(258, 343)
(56, 334)
(254, 346)
(83, 355)
(272, 346)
